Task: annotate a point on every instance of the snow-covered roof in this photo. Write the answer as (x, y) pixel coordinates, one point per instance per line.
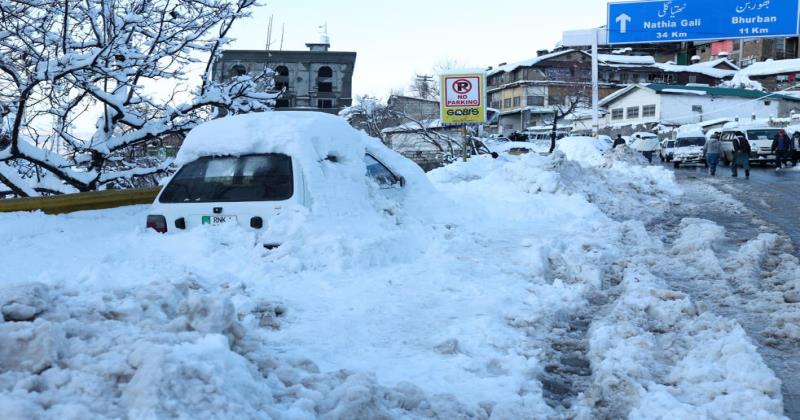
(643, 60)
(699, 68)
(772, 67)
(414, 126)
(696, 90)
(526, 63)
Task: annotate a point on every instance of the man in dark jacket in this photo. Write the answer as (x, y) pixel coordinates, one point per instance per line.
(741, 155)
(782, 147)
(619, 141)
(796, 146)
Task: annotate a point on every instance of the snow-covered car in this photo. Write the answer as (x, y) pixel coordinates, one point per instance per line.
(253, 169)
(644, 142)
(667, 150)
(760, 136)
(606, 139)
(688, 150)
(516, 148)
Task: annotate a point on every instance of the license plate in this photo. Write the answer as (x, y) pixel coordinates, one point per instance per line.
(218, 220)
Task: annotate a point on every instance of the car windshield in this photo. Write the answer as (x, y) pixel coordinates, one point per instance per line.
(761, 134)
(265, 177)
(690, 141)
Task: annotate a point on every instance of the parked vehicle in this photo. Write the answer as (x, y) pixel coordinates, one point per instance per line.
(760, 136)
(644, 142)
(667, 150)
(263, 169)
(688, 150)
(606, 139)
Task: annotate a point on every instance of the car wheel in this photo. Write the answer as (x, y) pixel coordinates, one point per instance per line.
(676, 165)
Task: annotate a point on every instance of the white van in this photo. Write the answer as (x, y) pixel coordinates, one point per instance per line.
(254, 169)
(760, 136)
(644, 142)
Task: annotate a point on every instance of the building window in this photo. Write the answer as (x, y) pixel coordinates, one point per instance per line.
(324, 103)
(648, 111)
(555, 100)
(282, 103)
(767, 103)
(535, 100)
(507, 103)
(632, 112)
(692, 78)
(616, 114)
(517, 101)
(281, 78)
(238, 70)
(325, 71)
(324, 87)
(495, 104)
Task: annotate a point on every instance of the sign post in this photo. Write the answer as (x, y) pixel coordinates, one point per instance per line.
(463, 101)
(698, 20)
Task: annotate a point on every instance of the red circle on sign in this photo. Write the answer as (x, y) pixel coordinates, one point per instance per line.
(461, 86)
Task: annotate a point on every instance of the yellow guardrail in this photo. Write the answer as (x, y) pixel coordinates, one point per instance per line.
(93, 200)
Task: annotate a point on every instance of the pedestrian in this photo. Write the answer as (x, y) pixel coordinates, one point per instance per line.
(619, 141)
(711, 152)
(796, 145)
(741, 155)
(782, 147)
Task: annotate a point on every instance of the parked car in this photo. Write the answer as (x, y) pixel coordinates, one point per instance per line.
(688, 150)
(249, 169)
(606, 139)
(644, 142)
(667, 150)
(760, 136)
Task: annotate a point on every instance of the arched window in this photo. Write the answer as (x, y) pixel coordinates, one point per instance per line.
(281, 78)
(325, 71)
(324, 85)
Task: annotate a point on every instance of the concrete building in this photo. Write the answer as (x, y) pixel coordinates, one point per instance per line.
(647, 105)
(526, 92)
(317, 79)
(414, 108)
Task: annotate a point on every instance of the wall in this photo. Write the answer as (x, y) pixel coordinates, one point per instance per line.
(678, 108)
(637, 98)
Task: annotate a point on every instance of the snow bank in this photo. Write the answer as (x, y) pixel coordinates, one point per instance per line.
(439, 304)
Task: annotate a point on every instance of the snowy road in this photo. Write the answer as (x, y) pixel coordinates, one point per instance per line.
(767, 204)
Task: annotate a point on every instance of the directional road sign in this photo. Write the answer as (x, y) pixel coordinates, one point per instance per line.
(695, 20)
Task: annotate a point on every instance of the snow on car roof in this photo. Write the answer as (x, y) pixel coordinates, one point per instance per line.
(690, 130)
(329, 152)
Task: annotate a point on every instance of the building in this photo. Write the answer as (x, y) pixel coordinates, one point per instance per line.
(429, 143)
(748, 51)
(526, 92)
(317, 79)
(772, 75)
(414, 108)
(649, 105)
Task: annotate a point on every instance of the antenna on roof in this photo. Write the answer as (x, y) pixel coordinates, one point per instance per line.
(283, 30)
(269, 32)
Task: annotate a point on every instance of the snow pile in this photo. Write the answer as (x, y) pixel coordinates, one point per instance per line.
(587, 150)
(434, 301)
(666, 358)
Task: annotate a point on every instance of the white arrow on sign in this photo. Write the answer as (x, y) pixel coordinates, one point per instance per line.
(623, 20)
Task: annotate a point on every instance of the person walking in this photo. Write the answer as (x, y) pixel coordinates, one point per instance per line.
(796, 145)
(619, 141)
(711, 152)
(741, 156)
(782, 147)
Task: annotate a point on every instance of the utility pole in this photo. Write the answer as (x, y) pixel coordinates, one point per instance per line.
(424, 86)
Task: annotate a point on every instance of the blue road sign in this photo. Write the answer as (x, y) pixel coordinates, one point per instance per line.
(695, 20)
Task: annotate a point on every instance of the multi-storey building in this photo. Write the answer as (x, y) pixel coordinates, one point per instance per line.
(317, 79)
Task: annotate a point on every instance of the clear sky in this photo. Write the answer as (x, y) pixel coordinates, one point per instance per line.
(396, 39)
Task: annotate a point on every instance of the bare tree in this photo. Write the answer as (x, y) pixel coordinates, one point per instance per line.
(371, 115)
(577, 95)
(64, 60)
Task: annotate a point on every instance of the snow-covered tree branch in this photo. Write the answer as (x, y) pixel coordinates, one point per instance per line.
(63, 62)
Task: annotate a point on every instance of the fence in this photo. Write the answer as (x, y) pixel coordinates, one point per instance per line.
(94, 200)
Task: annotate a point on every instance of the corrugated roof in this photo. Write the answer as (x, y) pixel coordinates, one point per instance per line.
(720, 91)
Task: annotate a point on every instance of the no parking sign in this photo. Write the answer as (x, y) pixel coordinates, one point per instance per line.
(463, 99)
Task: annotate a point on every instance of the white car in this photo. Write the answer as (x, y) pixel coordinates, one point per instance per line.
(667, 151)
(254, 169)
(688, 150)
(644, 142)
(606, 139)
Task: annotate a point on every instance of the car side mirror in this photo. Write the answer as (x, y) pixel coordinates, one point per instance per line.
(402, 181)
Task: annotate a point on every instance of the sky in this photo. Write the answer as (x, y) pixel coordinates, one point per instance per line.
(396, 40)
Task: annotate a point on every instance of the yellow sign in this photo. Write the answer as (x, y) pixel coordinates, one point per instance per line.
(463, 98)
